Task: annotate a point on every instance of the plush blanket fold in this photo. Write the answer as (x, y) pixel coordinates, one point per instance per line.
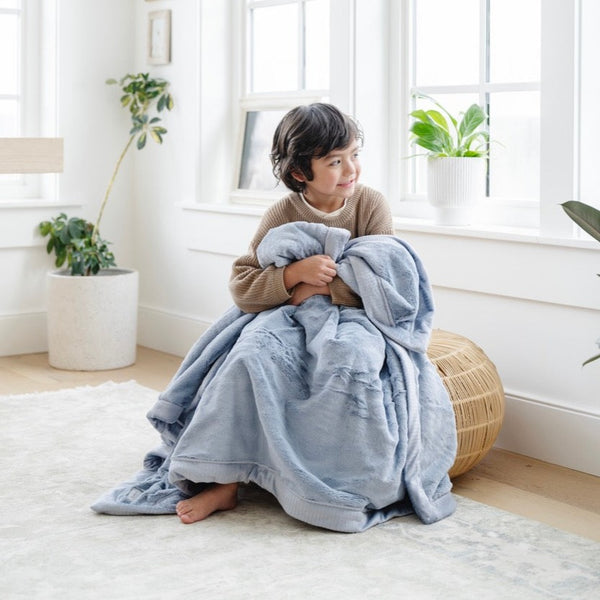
(336, 411)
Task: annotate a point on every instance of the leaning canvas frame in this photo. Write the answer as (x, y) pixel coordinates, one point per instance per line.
(159, 37)
(254, 181)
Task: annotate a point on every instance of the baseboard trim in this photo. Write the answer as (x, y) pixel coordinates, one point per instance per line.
(23, 333)
(558, 435)
(167, 331)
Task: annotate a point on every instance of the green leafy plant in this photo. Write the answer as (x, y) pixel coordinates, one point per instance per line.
(588, 218)
(71, 242)
(77, 241)
(441, 134)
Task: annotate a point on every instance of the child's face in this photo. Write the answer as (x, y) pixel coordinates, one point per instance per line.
(334, 175)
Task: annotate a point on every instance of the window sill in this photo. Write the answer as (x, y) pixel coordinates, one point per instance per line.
(36, 203)
(489, 232)
(418, 225)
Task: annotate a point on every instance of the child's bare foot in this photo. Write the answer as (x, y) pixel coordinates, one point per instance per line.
(198, 507)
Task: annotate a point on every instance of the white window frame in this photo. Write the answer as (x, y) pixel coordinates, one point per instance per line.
(558, 91)
(252, 101)
(37, 95)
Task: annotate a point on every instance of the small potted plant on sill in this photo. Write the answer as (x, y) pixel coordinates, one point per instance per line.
(92, 306)
(588, 218)
(457, 150)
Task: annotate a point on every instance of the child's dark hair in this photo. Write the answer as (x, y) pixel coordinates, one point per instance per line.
(308, 132)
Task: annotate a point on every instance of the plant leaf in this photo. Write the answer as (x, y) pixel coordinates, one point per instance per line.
(430, 136)
(592, 359)
(586, 216)
(434, 101)
(472, 119)
(438, 117)
(141, 142)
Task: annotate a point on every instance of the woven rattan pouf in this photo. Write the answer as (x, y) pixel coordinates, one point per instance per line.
(475, 391)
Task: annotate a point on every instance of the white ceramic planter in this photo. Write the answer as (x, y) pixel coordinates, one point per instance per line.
(92, 321)
(454, 186)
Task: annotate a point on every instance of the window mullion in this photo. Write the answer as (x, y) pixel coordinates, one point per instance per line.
(558, 115)
(484, 49)
(301, 45)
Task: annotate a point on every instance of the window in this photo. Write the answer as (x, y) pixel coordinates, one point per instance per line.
(286, 64)
(26, 58)
(524, 61)
(476, 51)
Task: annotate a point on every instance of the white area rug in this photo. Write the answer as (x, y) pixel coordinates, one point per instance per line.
(61, 450)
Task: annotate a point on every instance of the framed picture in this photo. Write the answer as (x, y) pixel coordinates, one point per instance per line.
(159, 37)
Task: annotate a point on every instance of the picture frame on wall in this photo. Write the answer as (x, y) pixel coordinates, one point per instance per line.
(159, 37)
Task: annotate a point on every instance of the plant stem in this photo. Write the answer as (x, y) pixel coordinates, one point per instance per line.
(109, 188)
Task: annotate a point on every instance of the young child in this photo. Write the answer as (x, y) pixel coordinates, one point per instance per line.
(316, 154)
(316, 386)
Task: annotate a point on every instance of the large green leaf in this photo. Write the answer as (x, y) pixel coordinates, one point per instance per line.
(472, 119)
(429, 136)
(586, 216)
(438, 117)
(420, 115)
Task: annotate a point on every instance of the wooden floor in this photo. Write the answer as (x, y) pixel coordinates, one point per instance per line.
(560, 497)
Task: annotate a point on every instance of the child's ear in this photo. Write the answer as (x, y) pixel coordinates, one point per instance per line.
(298, 176)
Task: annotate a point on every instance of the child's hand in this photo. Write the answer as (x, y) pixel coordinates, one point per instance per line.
(304, 290)
(318, 270)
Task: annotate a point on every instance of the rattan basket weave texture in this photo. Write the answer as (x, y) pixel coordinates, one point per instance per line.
(476, 393)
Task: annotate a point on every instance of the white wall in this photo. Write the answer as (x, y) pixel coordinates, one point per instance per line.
(95, 43)
(532, 306)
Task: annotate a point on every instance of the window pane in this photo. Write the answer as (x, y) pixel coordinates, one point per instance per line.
(515, 43)
(256, 172)
(515, 124)
(274, 48)
(317, 44)
(10, 3)
(9, 118)
(447, 42)
(9, 53)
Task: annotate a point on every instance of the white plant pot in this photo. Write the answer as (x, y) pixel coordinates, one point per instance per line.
(92, 321)
(454, 186)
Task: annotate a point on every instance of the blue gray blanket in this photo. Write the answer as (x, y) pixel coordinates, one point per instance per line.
(337, 411)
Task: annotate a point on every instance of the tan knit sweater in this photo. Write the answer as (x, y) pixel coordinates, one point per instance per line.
(254, 289)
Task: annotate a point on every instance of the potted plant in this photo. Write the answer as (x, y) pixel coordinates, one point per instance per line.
(457, 149)
(588, 218)
(92, 306)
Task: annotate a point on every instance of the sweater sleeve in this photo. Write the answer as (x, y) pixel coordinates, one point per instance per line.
(253, 288)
